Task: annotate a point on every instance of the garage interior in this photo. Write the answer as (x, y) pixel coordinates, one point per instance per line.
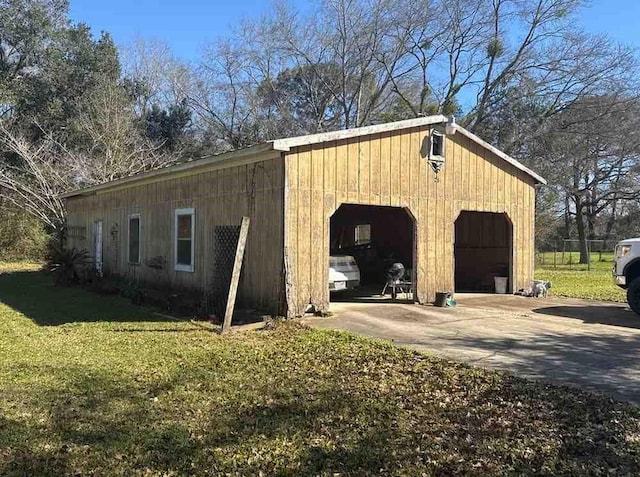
(377, 237)
(483, 251)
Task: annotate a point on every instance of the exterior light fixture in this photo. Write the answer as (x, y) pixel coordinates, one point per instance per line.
(436, 150)
(433, 146)
(450, 127)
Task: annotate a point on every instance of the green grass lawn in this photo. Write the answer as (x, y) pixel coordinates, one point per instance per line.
(571, 279)
(90, 385)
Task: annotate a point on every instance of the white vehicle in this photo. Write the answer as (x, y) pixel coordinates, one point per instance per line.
(626, 270)
(344, 273)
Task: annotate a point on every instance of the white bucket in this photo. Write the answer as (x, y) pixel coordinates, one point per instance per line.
(501, 284)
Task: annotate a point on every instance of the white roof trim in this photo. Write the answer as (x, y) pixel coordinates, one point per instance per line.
(290, 142)
(286, 144)
(500, 154)
(225, 158)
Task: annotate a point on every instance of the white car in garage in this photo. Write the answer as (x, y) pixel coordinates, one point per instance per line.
(344, 273)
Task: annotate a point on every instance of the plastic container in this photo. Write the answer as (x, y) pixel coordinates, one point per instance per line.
(501, 284)
(441, 298)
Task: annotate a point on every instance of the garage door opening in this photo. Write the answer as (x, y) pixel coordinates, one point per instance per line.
(483, 251)
(377, 237)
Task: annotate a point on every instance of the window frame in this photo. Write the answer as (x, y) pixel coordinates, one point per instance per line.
(432, 142)
(356, 238)
(181, 267)
(139, 217)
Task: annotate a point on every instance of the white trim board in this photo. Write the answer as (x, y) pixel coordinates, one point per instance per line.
(258, 153)
(219, 161)
(288, 143)
(500, 154)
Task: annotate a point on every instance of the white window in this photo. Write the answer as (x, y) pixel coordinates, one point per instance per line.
(363, 234)
(185, 225)
(133, 239)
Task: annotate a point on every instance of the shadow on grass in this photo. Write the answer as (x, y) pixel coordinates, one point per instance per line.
(96, 419)
(33, 295)
(504, 426)
(93, 420)
(580, 428)
(369, 436)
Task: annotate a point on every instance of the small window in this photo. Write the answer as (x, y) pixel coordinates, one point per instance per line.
(437, 144)
(134, 239)
(363, 234)
(184, 239)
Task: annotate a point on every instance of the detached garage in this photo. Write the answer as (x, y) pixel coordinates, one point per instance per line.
(425, 192)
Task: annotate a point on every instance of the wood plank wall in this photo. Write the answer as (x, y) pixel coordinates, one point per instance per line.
(220, 197)
(389, 169)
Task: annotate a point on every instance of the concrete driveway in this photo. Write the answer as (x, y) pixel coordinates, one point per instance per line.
(594, 345)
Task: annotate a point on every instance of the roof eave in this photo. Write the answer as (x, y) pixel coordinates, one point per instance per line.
(227, 158)
(287, 144)
(517, 164)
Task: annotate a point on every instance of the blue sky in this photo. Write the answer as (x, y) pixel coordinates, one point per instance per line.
(187, 25)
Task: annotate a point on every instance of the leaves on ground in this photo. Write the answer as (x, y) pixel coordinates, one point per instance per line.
(127, 394)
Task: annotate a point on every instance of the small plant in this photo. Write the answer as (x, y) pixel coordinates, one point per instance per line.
(67, 265)
(134, 292)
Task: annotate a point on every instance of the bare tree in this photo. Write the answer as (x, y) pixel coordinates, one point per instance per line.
(155, 73)
(593, 158)
(441, 46)
(35, 176)
(361, 40)
(110, 144)
(334, 66)
(106, 145)
(426, 56)
(225, 96)
(482, 57)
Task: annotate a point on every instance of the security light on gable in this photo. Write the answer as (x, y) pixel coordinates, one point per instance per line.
(450, 128)
(437, 144)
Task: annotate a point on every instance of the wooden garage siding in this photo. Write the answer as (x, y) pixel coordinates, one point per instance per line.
(388, 169)
(219, 197)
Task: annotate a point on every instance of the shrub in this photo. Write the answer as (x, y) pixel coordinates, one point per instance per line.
(134, 292)
(67, 265)
(22, 237)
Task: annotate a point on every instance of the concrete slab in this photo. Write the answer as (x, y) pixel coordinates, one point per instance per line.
(594, 345)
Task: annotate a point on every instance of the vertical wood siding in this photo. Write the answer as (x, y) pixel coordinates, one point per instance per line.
(219, 197)
(390, 169)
